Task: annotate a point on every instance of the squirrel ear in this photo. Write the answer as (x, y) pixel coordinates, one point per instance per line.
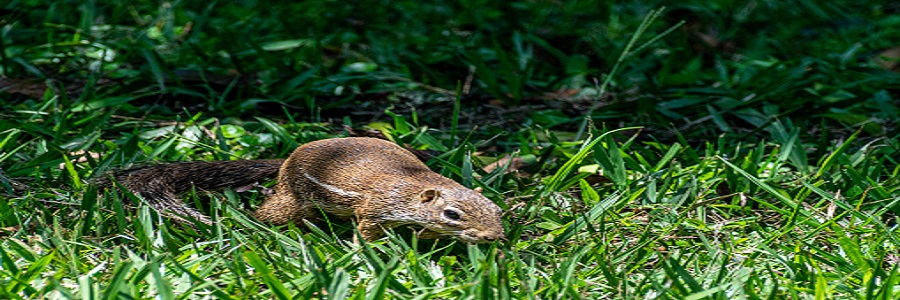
(428, 195)
(478, 190)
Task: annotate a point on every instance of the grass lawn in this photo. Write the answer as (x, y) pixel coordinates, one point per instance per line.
(641, 150)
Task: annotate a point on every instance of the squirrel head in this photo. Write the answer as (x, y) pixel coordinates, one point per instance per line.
(461, 213)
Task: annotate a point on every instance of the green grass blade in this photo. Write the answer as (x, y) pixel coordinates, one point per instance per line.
(267, 275)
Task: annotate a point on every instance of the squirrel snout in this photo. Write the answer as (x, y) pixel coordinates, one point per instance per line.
(491, 236)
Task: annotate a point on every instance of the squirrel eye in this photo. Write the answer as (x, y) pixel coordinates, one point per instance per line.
(453, 215)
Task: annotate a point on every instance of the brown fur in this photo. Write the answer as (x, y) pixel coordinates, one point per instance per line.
(376, 182)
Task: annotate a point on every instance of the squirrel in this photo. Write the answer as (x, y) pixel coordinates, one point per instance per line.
(377, 182)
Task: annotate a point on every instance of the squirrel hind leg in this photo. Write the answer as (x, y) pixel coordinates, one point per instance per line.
(282, 208)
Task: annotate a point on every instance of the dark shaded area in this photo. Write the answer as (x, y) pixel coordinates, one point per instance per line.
(731, 68)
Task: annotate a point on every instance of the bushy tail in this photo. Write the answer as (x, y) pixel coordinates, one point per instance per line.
(160, 185)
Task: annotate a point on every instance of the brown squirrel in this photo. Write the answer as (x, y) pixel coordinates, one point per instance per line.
(377, 182)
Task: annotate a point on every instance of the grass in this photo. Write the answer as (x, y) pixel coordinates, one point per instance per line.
(697, 152)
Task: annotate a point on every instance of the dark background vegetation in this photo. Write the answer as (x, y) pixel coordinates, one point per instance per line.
(732, 67)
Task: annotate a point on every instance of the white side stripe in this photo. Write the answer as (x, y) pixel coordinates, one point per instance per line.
(331, 188)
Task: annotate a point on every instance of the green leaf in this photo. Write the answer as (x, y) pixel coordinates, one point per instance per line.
(287, 44)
